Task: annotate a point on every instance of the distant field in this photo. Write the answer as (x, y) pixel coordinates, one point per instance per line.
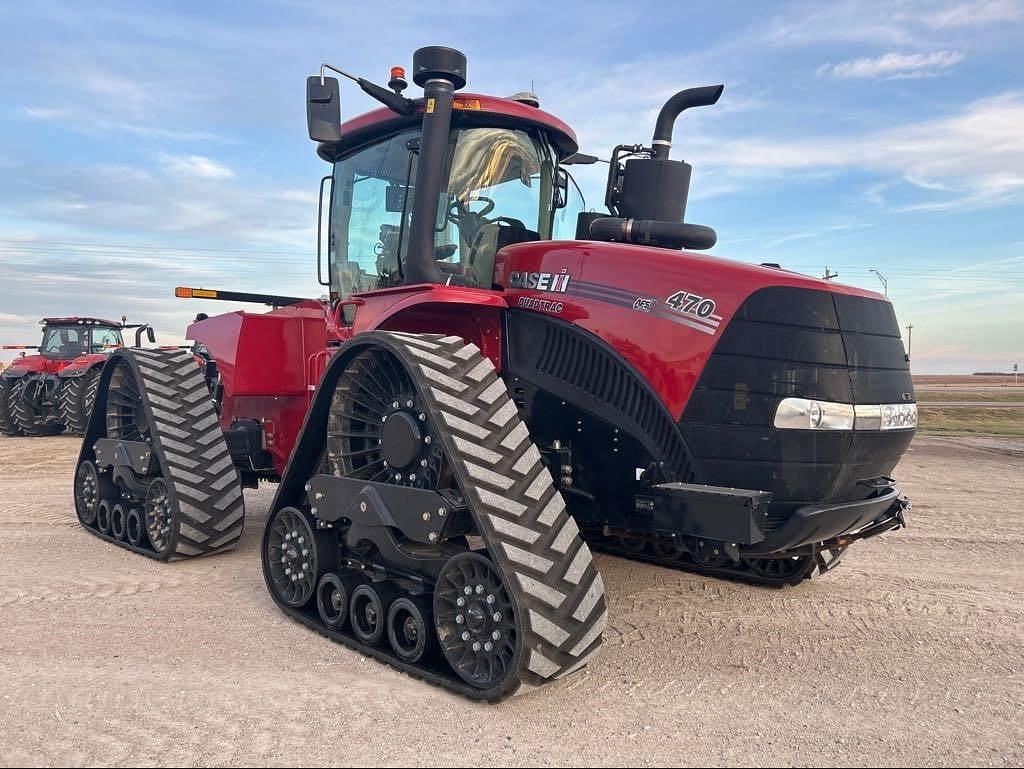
(961, 380)
(980, 395)
(971, 421)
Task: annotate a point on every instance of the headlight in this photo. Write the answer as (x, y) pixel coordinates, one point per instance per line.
(806, 414)
(899, 416)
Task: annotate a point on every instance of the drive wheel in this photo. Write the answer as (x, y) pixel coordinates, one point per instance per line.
(87, 493)
(7, 424)
(292, 556)
(31, 417)
(126, 416)
(476, 622)
(159, 518)
(77, 395)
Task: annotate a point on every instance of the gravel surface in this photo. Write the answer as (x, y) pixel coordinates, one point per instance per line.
(910, 653)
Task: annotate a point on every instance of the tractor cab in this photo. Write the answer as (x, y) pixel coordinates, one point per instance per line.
(68, 338)
(494, 166)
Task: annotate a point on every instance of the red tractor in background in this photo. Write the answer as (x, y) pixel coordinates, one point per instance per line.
(481, 399)
(53, 391)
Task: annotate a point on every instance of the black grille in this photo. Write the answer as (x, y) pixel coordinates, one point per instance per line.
(789, 342)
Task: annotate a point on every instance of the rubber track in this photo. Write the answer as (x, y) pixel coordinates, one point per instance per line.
(192, 456)
(7, 425)
(25, 419)
(729, 573)
(532, 540)
(77, 396)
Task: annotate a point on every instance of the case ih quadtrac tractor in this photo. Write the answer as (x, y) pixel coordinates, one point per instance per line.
(478, 404)
(52, 391)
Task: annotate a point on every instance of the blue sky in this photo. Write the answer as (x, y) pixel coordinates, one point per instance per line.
(151, 145)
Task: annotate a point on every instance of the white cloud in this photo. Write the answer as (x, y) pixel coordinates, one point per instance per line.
(196, 166)
(893, 65)
(975, 14)
(976, 157)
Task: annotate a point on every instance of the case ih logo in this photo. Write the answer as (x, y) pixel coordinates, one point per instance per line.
(540, 281)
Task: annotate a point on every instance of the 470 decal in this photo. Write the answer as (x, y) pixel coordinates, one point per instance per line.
(692, 304)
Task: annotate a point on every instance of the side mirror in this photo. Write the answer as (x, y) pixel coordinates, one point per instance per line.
(151, 335)
(323, 109)
(562, 189)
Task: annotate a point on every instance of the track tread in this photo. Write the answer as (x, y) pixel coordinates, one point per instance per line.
(190, 448)
(519, 513)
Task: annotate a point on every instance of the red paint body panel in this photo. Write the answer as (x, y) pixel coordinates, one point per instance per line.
(270, 363)
(37, 364)
(488, 104)
(670, 356)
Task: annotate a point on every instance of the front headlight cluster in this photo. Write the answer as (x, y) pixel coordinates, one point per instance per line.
(806, 414)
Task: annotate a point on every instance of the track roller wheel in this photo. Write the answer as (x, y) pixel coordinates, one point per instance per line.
(632, 543)
(88, 493)
(332, 595)
(103, 515)
(368, 612)
(477, 623)
(668, 551)
(409, 632)
(134, 531)
(118, 521)
(790, 570)
(295, 556)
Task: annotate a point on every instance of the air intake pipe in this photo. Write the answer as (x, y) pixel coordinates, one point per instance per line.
(440, 72)
(649, 232)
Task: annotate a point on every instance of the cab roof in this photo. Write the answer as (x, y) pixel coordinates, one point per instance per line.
(469, 109)
(79, 321)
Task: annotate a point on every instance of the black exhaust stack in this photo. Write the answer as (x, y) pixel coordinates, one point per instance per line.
(440, 72)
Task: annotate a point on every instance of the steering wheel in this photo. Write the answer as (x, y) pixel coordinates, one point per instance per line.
(457, 207)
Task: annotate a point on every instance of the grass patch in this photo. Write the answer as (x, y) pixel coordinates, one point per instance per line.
(995, 395)
(968, 421)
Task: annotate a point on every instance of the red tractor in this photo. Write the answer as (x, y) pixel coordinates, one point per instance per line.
(52, 391)
(481, 401)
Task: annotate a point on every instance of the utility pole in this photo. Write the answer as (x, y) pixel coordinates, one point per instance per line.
(829, 275)
(885, 283)
(1015, 366)
(910, 331)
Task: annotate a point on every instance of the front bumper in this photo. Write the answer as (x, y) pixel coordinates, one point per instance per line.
(839, 524)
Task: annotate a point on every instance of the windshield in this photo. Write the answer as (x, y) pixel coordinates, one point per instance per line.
(72, 341)
(499, 189)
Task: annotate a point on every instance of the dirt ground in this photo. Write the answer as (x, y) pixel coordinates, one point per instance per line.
(912, 652)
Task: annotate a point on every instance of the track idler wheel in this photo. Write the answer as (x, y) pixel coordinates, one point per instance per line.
(118, 521)
(409, 631)
(295, 555)
(332, 596)
(477, 623)
(134, 531)
(159, 518)
(88, 493)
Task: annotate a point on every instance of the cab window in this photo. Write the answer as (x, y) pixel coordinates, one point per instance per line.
(367, 202)
(105, 338)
